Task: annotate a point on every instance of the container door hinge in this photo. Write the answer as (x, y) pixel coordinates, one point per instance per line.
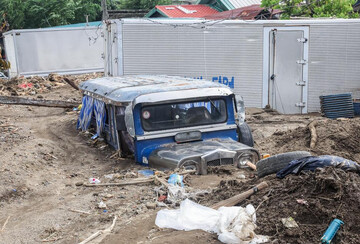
(303, 40)
(301, 61)
(301, 104)
(301, 83)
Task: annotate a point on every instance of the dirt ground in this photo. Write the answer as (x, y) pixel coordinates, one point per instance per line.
(45, 160)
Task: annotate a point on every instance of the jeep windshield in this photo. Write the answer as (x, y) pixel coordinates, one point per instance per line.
(185, 114)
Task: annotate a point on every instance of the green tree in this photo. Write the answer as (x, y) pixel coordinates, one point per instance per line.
(15, 12)
(313, 8)
(141, 4)
(47, 13)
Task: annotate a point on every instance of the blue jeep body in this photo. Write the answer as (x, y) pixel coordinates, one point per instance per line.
(165, 121)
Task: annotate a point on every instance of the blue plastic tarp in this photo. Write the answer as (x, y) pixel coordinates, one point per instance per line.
(100, 116)
(86, 113)
(313, 162)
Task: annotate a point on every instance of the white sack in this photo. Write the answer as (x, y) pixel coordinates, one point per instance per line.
(232, 224)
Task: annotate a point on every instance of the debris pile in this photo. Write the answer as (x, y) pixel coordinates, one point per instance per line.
(334, 137)
(310, 200)
(23, 86)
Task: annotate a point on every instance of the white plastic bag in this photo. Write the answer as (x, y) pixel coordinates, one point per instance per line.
(190, 216)
(232, 224)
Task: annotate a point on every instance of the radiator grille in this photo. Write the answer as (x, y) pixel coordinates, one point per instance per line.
(218, 162)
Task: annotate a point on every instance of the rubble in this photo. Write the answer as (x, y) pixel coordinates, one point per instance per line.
(33, 85)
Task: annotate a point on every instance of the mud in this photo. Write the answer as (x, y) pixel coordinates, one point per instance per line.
(335, 137)
(312, 199)
(44, 161)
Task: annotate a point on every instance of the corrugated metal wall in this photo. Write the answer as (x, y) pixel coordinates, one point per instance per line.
(334, 61)
(231, 51)
(235, 50)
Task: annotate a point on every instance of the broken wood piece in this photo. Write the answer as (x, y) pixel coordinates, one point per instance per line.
(71, 83)
(79, 211)
(7, 125)
(312, 129)
(124, 183)
(5, 223)
(52, 240)
(100, 232)
(37, 102)
(162, 181)
(232, 201)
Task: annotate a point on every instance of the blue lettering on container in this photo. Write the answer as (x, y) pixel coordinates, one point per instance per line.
(224, 80)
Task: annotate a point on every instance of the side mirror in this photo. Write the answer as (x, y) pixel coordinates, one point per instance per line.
(240, 107)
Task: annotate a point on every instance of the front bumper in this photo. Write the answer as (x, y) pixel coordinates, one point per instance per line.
(202, 154)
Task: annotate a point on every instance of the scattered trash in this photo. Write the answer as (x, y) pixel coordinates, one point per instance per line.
(101, 205)
(176, 194)
(232, 224)
(162, 198)
(302, 201)
(146, 172)
(105, 211)
(109, 176)
(25, 85)
(151, 205)
(176, 180)
(94, 181)
(265, 155)
(331, 231)
(313, 162)
(161, 204)
(241, 176)
(108, 196)
(289, 222)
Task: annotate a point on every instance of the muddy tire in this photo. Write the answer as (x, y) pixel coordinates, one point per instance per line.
(277, 162)
(245, 135)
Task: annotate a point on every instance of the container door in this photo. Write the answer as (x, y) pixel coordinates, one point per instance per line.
(287, 77)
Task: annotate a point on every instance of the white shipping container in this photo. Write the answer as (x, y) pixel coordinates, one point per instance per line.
(286, 64)
(55, 50)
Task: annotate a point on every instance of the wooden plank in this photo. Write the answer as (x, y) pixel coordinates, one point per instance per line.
(37, 102)
(232, 201)
(124, 183)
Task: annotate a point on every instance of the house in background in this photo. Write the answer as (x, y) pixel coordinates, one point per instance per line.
(253, 12)
(180, 11)
(224, 5)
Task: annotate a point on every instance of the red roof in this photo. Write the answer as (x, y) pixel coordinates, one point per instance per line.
(186, 11)
(246, 13)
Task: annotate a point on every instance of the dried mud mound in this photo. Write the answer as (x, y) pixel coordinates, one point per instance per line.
(335, 137)
(23, 86)
(312, 199)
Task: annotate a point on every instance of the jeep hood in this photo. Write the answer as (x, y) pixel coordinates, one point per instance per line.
(202, 154)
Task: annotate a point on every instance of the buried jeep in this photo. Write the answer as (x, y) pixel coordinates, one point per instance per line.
(169, 122)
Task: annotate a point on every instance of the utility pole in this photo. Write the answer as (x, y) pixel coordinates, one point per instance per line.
(105, 14)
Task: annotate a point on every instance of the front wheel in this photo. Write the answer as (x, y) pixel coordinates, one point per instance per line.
(245, 135)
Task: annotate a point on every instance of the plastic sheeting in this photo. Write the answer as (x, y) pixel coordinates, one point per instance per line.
(100, 116)
(86, 113)
(232, 224)
(313, 162)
